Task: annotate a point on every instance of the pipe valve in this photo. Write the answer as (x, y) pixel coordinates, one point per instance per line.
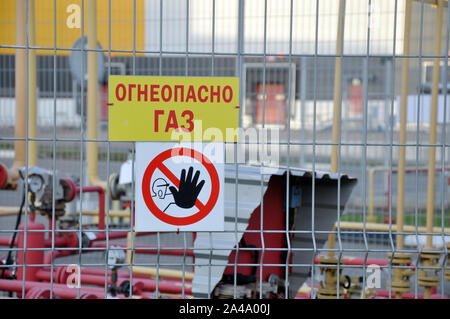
(46, 186)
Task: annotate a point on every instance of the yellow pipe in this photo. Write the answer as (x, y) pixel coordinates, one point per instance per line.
(433, 123)
(92, 103)
(130, 239)
(168, 273)
(336, 105)
(331, 240)
(112, 213)
(337, 89)
(20, 128)
(12, 210)
(32, 99)
(401, 151)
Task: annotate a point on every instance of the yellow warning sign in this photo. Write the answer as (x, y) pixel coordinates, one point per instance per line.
(156, 108)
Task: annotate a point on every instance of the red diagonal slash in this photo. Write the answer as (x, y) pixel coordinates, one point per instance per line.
(156, 163)
(163, 168)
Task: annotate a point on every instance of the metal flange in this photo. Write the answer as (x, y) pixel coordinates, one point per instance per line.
(328, 287)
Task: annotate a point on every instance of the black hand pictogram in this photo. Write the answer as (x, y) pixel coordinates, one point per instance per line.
(188, 190)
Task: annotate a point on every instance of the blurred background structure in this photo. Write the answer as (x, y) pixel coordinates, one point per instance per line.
(356, 88)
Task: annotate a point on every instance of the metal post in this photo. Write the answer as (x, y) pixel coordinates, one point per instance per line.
(433, 122)
(401, 155)
(303, 77)
(337, 105)
(400, 281)
(387, 116)
(431, 259)
(20, 85)
(371, 217)
(331, 276)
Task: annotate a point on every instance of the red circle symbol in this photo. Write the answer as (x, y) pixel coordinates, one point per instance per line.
(157, 163)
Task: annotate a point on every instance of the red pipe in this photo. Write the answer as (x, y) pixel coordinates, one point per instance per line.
(62, 253)
(59, 290)
(60, 241)
(99, 237)
(57, 253)
(101, 272)
(8, 273)
(101, 201)
(125, 274)
(406, 295)
(30, 257)
(6, 241)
